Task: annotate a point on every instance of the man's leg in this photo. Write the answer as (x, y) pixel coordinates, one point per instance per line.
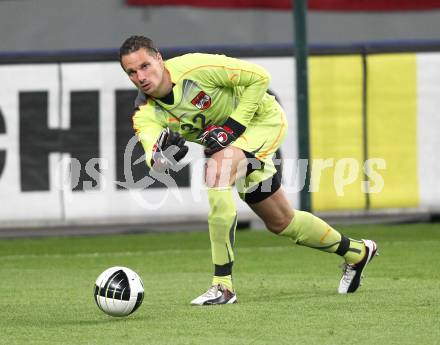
(221, 171)
(222, 220)
(305, 228)
(308, 230)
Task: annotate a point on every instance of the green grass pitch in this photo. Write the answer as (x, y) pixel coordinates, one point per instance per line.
(286, 293)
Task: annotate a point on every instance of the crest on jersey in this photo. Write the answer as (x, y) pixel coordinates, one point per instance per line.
(202, 101)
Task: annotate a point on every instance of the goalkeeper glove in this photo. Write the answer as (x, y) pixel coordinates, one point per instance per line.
(169, 149)
(216, 138)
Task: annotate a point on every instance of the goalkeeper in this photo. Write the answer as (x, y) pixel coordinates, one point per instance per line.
(223, 104)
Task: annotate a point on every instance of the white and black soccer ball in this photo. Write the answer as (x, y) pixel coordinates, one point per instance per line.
(119, 291)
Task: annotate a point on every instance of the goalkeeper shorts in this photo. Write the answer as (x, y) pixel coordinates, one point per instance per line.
(260, 142)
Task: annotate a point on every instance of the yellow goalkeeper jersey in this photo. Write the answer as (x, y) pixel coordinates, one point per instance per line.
(207, 90)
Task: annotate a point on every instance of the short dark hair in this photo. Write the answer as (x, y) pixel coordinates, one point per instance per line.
(134, 43)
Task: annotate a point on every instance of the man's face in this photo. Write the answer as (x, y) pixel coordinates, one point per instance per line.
(145, 70)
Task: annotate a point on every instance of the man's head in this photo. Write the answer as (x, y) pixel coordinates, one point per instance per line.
(144, 65)
(134, 43)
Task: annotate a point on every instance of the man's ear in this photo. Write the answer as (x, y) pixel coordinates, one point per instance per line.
(160, 59)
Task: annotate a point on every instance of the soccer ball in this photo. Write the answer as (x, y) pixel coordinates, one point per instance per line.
(119, 291)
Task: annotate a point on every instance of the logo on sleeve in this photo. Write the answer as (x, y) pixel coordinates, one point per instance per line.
(202, 101)
(222, 137)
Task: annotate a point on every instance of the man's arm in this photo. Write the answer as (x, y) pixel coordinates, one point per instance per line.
(229, 72)
(250, 81)
(162, 147)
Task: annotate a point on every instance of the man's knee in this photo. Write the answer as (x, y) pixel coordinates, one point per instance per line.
(275, 211)
(218, 178)
(224, 167)
(279, 220)
(278, 224)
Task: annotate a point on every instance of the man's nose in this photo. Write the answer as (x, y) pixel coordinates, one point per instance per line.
(141, 76)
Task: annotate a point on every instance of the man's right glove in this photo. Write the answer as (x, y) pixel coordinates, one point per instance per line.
(169, 149)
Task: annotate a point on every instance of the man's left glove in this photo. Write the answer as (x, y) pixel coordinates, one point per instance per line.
(169, 149)
(216, 138)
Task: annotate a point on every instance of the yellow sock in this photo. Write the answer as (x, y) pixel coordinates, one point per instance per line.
(222, 221)
(356, 252)
(310, 231)
(226, 281)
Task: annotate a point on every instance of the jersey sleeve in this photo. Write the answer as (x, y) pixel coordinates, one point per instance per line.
(147, 128)
(254, 80)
